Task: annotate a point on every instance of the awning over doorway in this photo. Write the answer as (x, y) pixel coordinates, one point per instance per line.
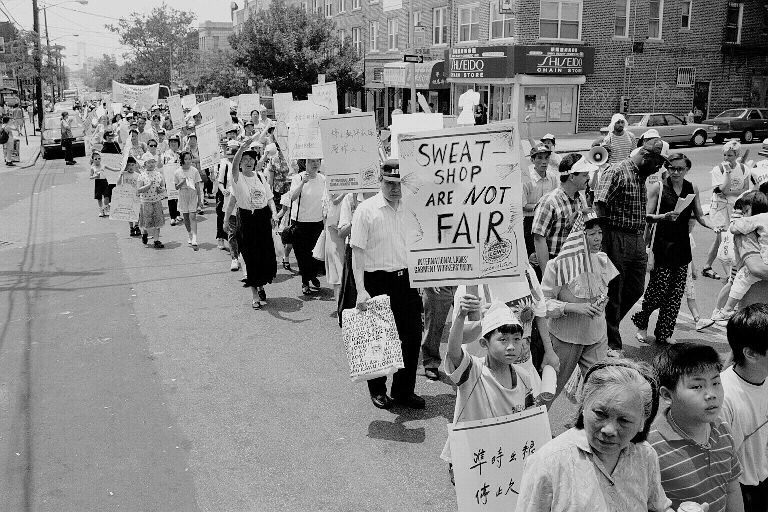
(429, 75)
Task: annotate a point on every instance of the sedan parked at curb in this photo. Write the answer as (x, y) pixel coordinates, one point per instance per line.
(51, 139)
(743, 123)
(672, 128)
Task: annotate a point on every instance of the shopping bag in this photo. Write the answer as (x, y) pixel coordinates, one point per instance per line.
(319, 251)
(725, 250)
(371, 340)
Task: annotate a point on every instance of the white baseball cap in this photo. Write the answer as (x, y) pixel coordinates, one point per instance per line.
(497, 315)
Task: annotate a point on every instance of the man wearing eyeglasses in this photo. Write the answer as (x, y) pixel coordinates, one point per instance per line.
(621, 198)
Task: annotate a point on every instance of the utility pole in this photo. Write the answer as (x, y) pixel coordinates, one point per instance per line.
(38, 65)
(48, 51)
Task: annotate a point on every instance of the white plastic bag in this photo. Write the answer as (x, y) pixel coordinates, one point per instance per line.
(319, 251)
(726, 249)
(371, 340)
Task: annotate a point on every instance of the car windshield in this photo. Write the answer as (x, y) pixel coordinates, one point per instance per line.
(736, 112)
(54, 122)
(634, 119)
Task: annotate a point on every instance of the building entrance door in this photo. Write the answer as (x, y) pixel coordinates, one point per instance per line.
(701, 94)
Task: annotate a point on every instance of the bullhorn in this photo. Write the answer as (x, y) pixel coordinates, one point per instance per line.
(598, 155)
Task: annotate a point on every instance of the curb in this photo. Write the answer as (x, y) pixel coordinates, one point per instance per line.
(34, 161)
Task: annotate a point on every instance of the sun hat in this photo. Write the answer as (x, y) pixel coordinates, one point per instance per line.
(497, 315)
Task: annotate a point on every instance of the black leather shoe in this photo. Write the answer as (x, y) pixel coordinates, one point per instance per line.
(432, 373)
(414, 401)
(381, 401)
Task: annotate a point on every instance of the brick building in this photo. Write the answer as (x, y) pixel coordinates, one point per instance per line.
(214, 35)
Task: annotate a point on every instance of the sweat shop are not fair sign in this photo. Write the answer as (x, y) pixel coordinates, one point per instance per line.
(466, 225)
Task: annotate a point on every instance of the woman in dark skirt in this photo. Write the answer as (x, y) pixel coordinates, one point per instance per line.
(256, 218)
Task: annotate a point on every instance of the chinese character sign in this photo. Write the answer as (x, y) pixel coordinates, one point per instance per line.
(325, 95)
(282, 103)
(177, 112)
(467, 226)
(489, 457)
(216, 110)
(350, 152)
(246, 104)
(304, 129)
(208, 144)
(125, 202)
(189, 101)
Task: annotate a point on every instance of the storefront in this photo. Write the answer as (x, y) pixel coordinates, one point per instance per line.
(515, 82)
(430, 82)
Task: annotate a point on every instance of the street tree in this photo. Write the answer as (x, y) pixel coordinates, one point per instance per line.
(288, 47)
(156, 40)
(214, 71)
(104, 72)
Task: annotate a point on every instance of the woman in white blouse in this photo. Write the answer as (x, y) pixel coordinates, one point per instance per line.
(307, 192)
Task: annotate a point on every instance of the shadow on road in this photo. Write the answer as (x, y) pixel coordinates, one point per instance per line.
(439, 406)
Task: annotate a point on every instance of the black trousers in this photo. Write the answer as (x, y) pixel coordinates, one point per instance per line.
(173, 208)
(67, 145)
(220, 216)
(406, 307)
(306, 237)
(755, 497)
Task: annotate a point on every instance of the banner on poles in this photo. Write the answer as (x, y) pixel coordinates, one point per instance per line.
(246, 104)
(489, 456)
(138, 96)
(325, 94)
(177, 112)
(216, 110)
(411, 123)
(304, 129)
(208, 144)
(125, 203)
(350, 152)
(467, 222)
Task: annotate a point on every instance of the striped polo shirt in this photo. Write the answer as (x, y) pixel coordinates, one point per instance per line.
(621, 146)
(690, 472)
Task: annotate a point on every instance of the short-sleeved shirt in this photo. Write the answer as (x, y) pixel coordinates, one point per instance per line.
(692, 472)
(745, 409)
(745, 246)
(380, 229)
(190, 177)
(738, 182)
(622, 192)
(536, 186)
(481, 396)
(252, 193)
(620, 146)
(554, 216)
(565, 475)
(310, 208)
(157, 191)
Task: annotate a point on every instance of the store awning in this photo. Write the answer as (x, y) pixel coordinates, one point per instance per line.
(429, 75)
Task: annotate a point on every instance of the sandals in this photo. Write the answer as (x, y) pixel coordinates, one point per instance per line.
(256, 305)
(262, 295)
(306, 290)
(708, 272)
(286, 265)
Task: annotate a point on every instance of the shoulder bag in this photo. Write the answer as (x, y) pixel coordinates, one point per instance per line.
(288, 235)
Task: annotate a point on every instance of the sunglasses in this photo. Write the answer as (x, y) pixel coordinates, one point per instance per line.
(152, 145)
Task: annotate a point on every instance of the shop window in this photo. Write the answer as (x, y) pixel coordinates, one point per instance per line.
(392, 34)
(685, 14)
(733, 22)
(549, 104)
(373, 34)
(357, 42)
(655, 18)
(502, 25)
(469, 23)
(622, 19)
(560, 19)
(440, 25)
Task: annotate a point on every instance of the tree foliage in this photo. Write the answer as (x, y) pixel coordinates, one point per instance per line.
(214, 71)
(104, 72)
(288, 47)
(156, 39)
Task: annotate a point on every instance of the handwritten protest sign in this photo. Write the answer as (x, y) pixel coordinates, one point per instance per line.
(208, 144)
(304, 129)
(125, 203)
(216, 110)
(371, 340)
(350, 152)
(411, 123)
(325, 94)
(489, 455)
(246, 104)
(112, 157)
(467, 222)
(177, 112)
(282, 103)
(189, 101)
(169, 172)
(138, 96)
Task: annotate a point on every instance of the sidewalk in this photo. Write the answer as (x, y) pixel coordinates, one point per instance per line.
(28, 152)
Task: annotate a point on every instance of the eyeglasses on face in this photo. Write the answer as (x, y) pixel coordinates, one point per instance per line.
(153, 145)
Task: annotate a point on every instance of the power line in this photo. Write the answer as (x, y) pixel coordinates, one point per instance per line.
(90, 13)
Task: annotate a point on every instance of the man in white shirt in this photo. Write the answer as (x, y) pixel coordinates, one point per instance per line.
(380, 265)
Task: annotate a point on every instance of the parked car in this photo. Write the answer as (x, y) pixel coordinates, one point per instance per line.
(51, 139)
(764, 149)
(744, 123)
(672, 128)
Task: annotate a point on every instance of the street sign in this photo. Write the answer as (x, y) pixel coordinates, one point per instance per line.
(413, 59)
(420, 37)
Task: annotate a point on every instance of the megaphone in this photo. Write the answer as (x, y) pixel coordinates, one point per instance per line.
(598, 155)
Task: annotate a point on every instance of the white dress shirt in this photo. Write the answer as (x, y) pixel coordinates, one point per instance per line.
(379, 229)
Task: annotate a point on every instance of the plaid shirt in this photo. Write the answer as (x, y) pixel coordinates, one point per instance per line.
(622, 192)
(554, 216)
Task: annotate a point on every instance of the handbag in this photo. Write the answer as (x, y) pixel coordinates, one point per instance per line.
(319, 251)
(649, 249)
(288, 235)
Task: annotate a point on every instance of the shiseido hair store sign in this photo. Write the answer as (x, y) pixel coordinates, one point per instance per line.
(480, 62)
(484, 62)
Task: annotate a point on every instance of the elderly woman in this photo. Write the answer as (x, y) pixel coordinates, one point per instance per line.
(729, 180)
(66, 137)
(603, 464)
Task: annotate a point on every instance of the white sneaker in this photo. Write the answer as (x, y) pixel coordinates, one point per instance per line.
(703, 323)
(235, 266)
(721, 315)
(612, 352)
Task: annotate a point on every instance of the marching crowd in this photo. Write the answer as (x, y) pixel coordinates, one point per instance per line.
(686, 429)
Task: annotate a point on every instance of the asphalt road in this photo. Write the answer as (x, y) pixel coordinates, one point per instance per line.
(141, 380)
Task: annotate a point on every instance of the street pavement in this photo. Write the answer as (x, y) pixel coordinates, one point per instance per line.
(141, 380)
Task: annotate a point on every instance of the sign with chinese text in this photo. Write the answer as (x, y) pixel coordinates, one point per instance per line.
(282, 103)
(137, 96)
(246, 104)
(325, 95)
(489, 457)
(169, 173)
(304, 129)
(177, 112)
(481, 62)
(467, 222)
(216, 110)
(125, 204)
(350, 152)
(208, 144)
(555, 60)
(189, 101)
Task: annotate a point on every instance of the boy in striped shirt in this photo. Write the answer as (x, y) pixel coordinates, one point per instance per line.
(697, 456)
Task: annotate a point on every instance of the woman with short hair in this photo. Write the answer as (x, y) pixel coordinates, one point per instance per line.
(307, 193)
(603, 463)
(66, 138)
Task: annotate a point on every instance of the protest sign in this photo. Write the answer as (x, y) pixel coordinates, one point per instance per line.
(177, 112)
(247, 103)
(125, 203)
(467, 222)
(282, 103)
(169, 172)
(325, 95)
(304, 129)
(100, 111)
(112, 157)
(208, 144)
(138, 96)
(489, 456)
(189, 101)
(216, 110)
(350, 152)
(411, 123)
(117, 108)
(371, 340)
